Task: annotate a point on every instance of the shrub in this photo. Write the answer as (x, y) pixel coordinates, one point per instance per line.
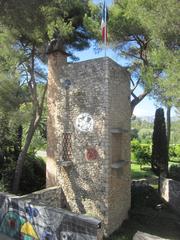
(33, 174)
(174, 152)
(145, 135)
(177, 150)
(141, 152)
(134, 133)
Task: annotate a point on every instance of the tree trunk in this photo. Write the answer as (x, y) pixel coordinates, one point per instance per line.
(168, 116)
(18, 172)
(18, 143)
(137, 100)
(36, 116)
(168, 129)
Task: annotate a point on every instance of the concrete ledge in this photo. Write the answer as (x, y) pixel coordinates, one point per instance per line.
(52, 196)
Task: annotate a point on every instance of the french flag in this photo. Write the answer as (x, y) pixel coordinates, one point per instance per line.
(104, 22)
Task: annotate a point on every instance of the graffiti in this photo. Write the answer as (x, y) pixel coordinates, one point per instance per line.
(32, 212)
(73, 236)
(11, 224)
(48, 234)
(84, 122)
(28, 232)
(23, 221)
(17, 227)
(67, 236)
(91, 154)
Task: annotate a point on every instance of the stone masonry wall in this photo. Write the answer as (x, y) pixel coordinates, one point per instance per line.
(82, 116)
(84, 183)
(52, 197)
(55, 62)
(119, 136)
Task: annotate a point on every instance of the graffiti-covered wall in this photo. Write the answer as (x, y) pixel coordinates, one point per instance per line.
(23, 220)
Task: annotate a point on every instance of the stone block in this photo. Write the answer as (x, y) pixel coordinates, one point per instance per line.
(145, 236)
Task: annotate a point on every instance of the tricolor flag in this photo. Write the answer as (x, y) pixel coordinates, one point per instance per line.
(104, 22)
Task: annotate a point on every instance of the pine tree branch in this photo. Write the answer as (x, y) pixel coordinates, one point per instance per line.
(137, 100)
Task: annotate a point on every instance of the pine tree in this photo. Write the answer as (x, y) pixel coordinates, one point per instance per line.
(152, 51)
(159, 161)
(35, 25)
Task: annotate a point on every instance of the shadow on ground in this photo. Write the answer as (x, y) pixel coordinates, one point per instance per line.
(149, 214)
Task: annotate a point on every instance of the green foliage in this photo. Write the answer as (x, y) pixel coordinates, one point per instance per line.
(159, 161)
(39, 142)
(141, 173)
(33, 176)
(9, 137)
(142, 130)
(46, 19)
(38, 26)
(9, 55)
(174, 153)
(152, 50)
(10, 93)
(141, 152)
(10, 146)
(145, 135)
(134, 133)
(92, 21)
(175, 132)
(177, 150)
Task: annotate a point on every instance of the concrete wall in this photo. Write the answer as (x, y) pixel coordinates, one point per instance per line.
(97, 120)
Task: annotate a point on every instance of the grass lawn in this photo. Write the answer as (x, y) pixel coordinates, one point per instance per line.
(144, 172)
(138, 173)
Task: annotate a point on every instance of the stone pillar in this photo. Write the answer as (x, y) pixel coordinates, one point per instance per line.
(56, 61)
(89, 135)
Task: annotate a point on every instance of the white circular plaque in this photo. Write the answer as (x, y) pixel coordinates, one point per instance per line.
(84, 122)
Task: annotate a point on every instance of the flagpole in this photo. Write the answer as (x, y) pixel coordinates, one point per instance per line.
(105, 33)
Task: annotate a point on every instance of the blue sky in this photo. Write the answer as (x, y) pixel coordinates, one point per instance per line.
(108, 2)
(148, 106)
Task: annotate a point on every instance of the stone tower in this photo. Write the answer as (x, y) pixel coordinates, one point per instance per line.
(89, 137)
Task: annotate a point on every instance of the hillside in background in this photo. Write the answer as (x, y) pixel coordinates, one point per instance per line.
(142, 128)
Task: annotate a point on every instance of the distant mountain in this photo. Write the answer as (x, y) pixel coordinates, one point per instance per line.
(150, 119)
(175, 118)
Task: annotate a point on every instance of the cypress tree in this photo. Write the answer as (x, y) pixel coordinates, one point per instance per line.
(159, 160)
